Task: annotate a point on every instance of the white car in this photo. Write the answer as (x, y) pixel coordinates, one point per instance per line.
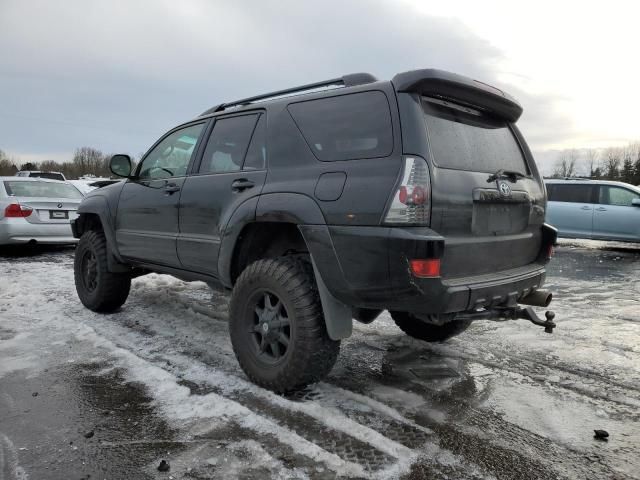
(37, 210)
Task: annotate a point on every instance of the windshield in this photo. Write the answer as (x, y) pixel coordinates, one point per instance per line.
(465, 139)
(41, 189)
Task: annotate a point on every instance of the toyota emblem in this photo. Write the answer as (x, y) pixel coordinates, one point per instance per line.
(505, 189)
(59, 205)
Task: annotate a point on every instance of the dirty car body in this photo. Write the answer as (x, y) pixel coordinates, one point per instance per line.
(417, 195)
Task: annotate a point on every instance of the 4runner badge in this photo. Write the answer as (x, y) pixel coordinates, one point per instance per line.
(505, 189)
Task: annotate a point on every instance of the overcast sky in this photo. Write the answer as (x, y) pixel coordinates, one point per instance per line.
(116, 74)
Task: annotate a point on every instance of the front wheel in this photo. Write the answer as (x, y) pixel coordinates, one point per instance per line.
(428, 332)
(277, 326)
(98, 289)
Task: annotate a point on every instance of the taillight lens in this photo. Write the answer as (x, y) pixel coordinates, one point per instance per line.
(16, 210)
(412, 200)
(429, 268)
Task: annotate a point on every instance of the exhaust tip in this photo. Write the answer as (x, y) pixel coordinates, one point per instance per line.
(538, 298)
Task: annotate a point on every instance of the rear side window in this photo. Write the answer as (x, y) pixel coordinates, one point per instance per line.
(465, 139)
(41, 190)
(228, 144)
(346, 127)
(617, 196)
(257, 154)
(570, 193)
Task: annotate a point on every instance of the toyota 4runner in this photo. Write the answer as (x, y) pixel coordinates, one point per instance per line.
(328, 202)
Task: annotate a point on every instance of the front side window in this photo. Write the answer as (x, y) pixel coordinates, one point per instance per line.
(462, 138)
(41, 189)
(228, 144)
(617, 196)
(346, 127)
(560, 192)
(171, 157)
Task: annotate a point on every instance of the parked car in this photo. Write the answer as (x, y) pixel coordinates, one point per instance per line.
(329, 201)
(41, 174)
(37, 210)
(596, 209)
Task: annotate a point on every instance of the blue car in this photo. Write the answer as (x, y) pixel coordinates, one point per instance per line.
(595, 209)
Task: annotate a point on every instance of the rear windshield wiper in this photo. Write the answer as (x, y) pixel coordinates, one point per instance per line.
(510, 175)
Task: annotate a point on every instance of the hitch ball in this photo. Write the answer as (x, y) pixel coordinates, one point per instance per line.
(549, 325)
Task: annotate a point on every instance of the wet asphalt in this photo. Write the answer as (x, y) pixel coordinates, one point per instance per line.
(79, 415)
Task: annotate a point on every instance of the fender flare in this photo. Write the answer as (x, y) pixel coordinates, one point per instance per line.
(98, 205)
(298, 209)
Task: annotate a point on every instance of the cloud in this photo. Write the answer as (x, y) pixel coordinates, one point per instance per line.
(116, 74)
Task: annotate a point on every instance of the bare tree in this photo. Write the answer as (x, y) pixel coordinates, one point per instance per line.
(6, 165)
(50, 166)
(592, 157)
(566, 164)
(612, 159)
(88, 160)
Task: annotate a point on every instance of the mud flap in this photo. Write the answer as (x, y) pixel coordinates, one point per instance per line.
(337, 315)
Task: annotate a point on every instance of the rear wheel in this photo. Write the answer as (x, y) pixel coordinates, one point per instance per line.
(429, 332)
(277, 326)
(98, 289)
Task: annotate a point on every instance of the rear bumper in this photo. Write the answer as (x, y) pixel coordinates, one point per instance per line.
(368, 267)
(19, 231)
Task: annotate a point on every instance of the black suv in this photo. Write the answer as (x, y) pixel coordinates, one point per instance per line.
(327, 202)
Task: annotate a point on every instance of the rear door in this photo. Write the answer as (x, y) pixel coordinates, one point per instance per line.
(615, 217)
(489, 224)
(147, 217)
(231, 171)
(570, 208)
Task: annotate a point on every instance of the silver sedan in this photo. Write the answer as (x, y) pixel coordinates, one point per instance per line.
(37, 210)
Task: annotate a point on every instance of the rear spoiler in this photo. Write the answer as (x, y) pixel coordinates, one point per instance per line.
(438, 83)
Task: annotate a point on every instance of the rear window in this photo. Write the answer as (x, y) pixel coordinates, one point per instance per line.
(560, 192)
(465, 139)
(346, 127)
(41, 189)
(49, 175)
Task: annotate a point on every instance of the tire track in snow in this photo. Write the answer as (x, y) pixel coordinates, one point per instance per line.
(332, 429)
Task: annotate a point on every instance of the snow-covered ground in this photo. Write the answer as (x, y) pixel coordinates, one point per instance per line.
(158, 380)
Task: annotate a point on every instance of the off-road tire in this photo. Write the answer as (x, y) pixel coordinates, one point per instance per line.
(310, 354)
(111, 289)
(416, 328)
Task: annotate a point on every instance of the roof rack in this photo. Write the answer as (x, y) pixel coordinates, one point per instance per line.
(349, 80)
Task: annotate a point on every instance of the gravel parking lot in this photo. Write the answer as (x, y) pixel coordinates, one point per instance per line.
(84, 395)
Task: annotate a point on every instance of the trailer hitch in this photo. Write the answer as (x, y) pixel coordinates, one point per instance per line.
(511, 313)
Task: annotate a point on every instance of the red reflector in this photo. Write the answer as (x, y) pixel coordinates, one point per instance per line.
(426, 268)
(17, 211)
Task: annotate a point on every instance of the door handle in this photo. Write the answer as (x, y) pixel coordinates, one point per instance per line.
(241, 184)
(586, 208)
(601, 209)
(171, 188)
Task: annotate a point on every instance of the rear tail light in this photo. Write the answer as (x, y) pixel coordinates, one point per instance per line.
(15, 210)
(411, 204)
(425, 268)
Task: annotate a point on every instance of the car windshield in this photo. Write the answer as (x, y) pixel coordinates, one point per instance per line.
(41, 189)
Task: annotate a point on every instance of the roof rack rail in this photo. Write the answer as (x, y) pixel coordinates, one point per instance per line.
(349, 80)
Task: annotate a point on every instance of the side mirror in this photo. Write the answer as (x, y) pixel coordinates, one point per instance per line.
(635, 202)
(121, 165)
